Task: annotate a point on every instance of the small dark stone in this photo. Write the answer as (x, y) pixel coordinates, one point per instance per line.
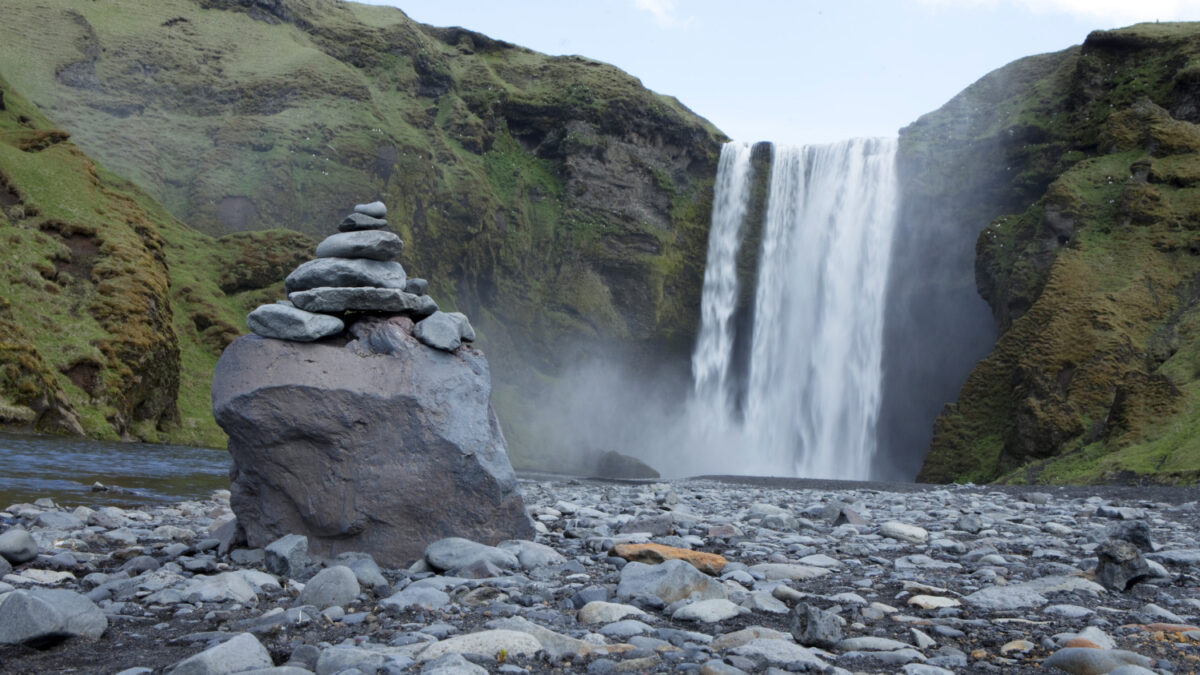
(1121, 565)
(815, 627)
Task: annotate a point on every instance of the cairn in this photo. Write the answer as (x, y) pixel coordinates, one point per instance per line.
(356, 271)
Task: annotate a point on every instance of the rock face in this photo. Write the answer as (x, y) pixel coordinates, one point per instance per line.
(360, 450)
(1059, 190)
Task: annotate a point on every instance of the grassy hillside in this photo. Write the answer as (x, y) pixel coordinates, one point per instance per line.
(1087, 164)
(554, 199)
(112, 312)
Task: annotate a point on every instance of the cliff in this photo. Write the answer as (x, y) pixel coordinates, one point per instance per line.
(112, 313)
(1076, 176)
(554, 199)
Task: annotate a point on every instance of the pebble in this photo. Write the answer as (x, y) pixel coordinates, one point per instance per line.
(947, 579)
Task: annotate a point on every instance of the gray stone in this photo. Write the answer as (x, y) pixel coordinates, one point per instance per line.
(904, 532)
(440, 331)
(1120, 565)
(365, 569)
(465, 331)
(787, 571)
(5, 567)
(417, 286)
(870, 643)
(338, 659)
(337, 272)
(416, 596)
(613, 464)
(532, 555)
(239, 653)
(708, 611)
(486, 643)
(374, 209)
(371, 244)
(779, 653)
(58, 520)
(454, 553)
(223, 587)
(409, 433)
(364, 299)
(25, 619)
(1136, 532)
(361, 221)
(626, 628)
(1088, 661)
(82, 617)
(669, 581)
(452, 664)
(287, 556)
(289, 323)
(599, 611)
(815, 627)
(556, 645)
(335, 585)
(17, 546)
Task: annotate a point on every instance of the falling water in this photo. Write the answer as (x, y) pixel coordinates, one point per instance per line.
(714, 346)
(813, 388)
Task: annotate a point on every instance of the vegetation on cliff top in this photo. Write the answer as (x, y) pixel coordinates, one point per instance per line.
(1093, 274)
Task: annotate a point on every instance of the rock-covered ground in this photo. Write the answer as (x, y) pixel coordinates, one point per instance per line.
(842, 578)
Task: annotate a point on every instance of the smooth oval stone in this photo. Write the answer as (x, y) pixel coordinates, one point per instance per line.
(372, 244)
(375, 209)
(338, 272)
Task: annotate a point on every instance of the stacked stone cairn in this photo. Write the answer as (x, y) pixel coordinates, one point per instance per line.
(356, 271)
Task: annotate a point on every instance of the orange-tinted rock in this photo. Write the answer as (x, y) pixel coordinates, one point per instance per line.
(1081, 642)
(652, 554)
(1169, 627)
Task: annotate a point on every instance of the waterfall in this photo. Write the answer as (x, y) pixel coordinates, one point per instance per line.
(812, 390)
(714, 346)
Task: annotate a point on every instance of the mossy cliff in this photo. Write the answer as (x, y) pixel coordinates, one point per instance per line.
(1086, 163)
(112, 313)
(554, 199)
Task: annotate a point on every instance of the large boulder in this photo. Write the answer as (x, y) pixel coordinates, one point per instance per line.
(359, 450)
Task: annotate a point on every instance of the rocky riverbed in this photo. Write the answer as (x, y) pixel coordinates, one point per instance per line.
(838, 578)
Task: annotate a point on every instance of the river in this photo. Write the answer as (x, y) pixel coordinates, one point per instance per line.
(65, 468)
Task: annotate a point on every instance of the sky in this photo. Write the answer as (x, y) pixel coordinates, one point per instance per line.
(799, 71)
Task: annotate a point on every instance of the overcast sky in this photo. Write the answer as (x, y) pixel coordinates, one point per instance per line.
(797, 71)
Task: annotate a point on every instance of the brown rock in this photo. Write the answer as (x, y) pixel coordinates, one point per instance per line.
(653, 554)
